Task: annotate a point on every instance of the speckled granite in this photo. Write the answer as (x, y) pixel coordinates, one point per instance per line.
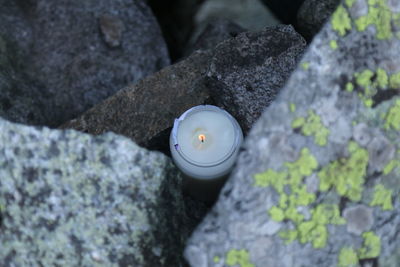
(317, 182)
(71, 199)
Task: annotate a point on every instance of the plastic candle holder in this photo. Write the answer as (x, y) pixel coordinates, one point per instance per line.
(204, 143)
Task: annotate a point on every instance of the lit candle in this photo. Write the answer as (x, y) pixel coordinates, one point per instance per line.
(204, 143)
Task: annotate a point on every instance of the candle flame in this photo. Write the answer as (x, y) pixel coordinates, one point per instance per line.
(202, 138)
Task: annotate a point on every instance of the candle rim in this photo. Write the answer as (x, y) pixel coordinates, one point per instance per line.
(197, 109)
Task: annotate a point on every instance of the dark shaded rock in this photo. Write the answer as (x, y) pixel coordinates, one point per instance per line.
(67, 198)
(326, 147)
(176, 21)
(149, 107)
(248, 71)
(82, 51)
(285, 10)
(21, 99)
(216, 31)
(312, 16)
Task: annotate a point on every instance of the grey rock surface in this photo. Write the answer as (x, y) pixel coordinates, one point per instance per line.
(312, 15)
(214, 33)
(247, 72)
(251, 15)
(71, 199)
(144, 110)
(327, 144)
(82, 51)
(21, 99)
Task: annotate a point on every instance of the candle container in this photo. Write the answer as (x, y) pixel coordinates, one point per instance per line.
(204, 144)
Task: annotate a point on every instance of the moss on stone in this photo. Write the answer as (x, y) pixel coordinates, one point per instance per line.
(333, 44)
(341, 22)
(392, 119)
(312, 126)
(382, 197)
(378, 15)
(346, 174)
(238, 257)
(347, 258)
(371, 247)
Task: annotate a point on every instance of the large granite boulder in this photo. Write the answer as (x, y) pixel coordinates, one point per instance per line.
(317, 182)
(81, 52)
(247, 72)
(71, 199)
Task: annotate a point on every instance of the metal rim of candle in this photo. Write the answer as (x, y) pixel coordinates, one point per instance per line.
(203, 108)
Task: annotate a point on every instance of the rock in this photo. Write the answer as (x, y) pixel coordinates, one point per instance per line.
(249, 14)
(215, 32)
(21, 99)
(108, 46)
(285, 10)
(348, 80)
(312, 15)
(248, 71)
(67, 198)
(144, 110)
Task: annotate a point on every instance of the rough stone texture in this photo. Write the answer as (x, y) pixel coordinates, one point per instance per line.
(144, 110)
(249, 14)
(82, 51)
(330, 141)
(70, 199)
(312, 16)
(215, 32)
(21, 99)
(248, 71)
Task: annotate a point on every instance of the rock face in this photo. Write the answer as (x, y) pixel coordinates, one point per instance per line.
(214, 33)
(67, 198)
(312, 16)
(81, 52)
(20, 98)
(149, 107)
(323, 155)
(248, 71)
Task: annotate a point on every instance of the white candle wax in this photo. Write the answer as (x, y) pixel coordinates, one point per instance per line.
(205, 142)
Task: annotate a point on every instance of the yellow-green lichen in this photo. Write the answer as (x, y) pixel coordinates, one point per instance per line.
(292, 107)
(347, 258)
(305, 65)
(382, 197)
(349, 3)
(333, 44)
(349, 87)
(216, 259)
(314, 230)
(238, 257)
(346, 174)
(341, 22)
(392, 119)
(371, 247)
(382, 80)
(312, 126)
(378, 15)
(395, 80)
(393, 164)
